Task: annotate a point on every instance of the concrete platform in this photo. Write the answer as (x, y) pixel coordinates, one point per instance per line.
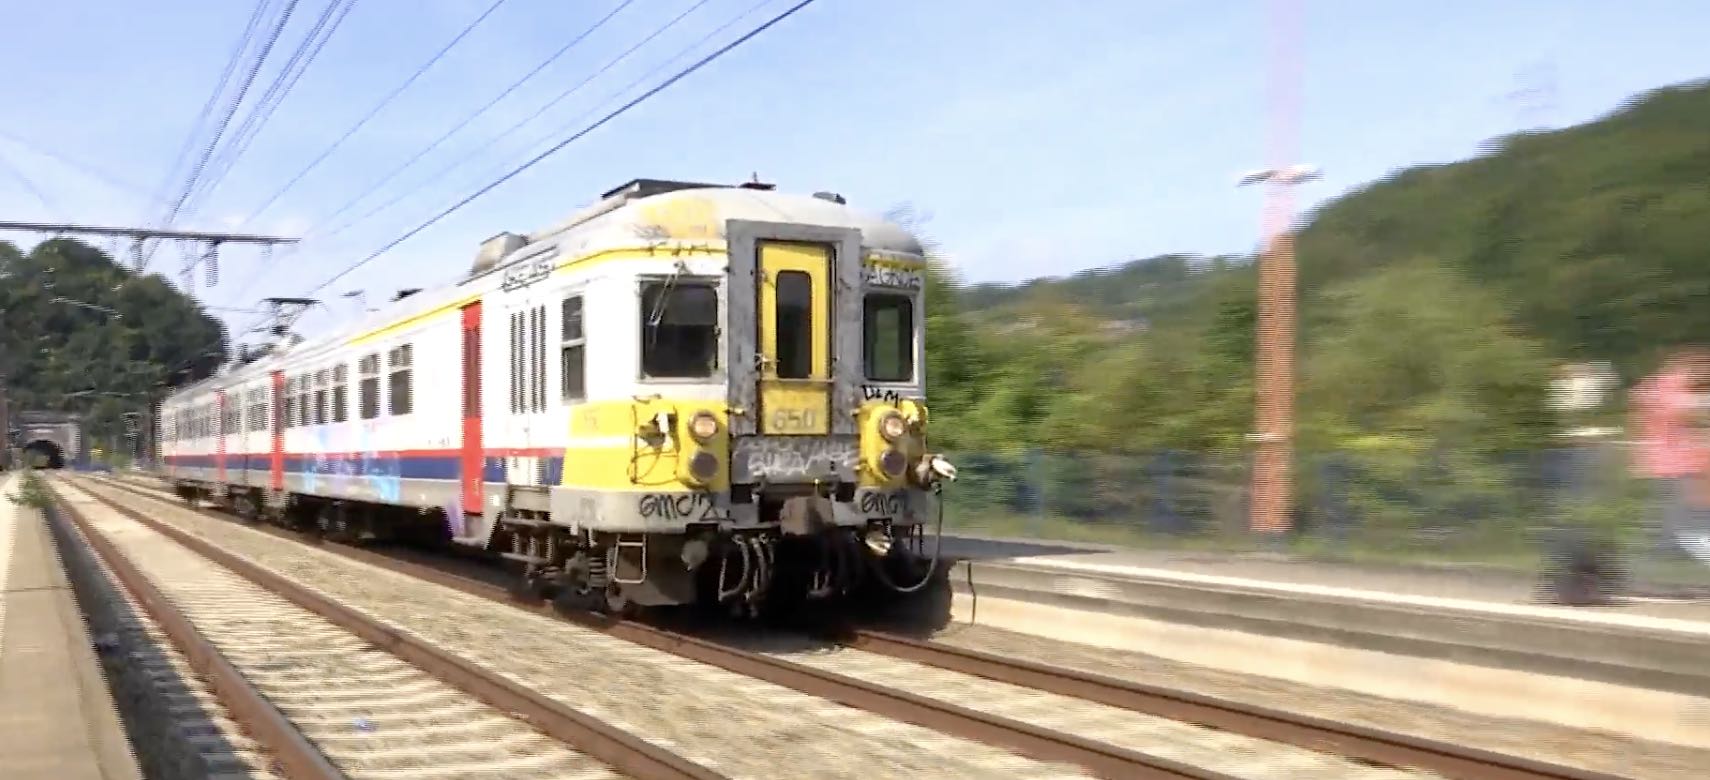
(57, 717)
(1470, 640)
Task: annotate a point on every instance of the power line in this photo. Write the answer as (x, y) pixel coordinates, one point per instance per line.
(18, 173)
(207, 112)
(680, 75)
(661, 30)
(225, 120)
(326, 25)
(385, 101)
(703, 62)
(472, 116)
(626, 89)
(85, 168)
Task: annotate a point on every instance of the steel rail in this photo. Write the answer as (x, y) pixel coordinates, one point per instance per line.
(1104, 760)
(1347, 740)
(623, 751)
(1343, 739)
(295, 755)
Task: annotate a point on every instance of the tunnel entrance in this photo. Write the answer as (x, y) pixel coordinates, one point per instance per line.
(44, 454)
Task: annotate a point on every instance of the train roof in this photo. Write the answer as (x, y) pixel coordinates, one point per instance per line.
(638, 212)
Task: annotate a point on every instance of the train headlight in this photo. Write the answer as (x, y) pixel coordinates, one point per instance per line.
(893, 463)
(703, 426)
(703, 466)
(892, 426)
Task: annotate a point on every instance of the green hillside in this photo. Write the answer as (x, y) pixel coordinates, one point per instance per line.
(61, 356)
(1435, 306)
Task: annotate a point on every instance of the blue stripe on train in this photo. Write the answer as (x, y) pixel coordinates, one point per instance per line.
(447, 467)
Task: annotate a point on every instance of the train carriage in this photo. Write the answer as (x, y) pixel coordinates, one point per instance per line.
(687, 392)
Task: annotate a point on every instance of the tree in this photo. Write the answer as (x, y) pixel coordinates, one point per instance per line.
(64, 357)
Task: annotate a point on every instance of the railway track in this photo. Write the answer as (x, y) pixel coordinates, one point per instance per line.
(1114, 728)
(335, 697)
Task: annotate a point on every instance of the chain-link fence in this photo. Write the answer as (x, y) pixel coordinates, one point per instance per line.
(1515, 511)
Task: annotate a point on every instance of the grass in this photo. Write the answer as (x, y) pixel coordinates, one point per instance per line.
(32, 492)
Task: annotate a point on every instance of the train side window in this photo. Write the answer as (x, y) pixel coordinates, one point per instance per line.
(679, 330)
(398, 382)
(516, 383)
(572, 352)
(321, 385)
(306, 399)
(290, 402)
(888, 337)
(794, 318)
(537, 359)
(340, 393)
(369, 369)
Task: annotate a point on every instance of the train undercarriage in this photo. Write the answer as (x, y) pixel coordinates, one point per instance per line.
(794, 559)
(795, 556)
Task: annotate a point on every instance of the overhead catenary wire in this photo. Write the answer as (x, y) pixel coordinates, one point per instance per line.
(472, 116)
(683, 73)
(619, 111)
(307, 51)
(230, 110)
(129, 188)
(373, 112)
(41, 196)
(682, 53)
(507, 132)
(477, 113)
(233, 62)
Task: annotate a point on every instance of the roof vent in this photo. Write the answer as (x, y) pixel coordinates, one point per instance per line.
(405, 293)
(493, 250)
(831, 196)
(754, 183)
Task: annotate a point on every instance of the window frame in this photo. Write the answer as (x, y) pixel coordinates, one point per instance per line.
(912, 335)
(400, 361)
(368, 375)
(720, 303)
(568, 342)
(340, 395)
(800, 339)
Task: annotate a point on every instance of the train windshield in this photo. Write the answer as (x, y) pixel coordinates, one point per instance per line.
(888, 337)
(679, 329)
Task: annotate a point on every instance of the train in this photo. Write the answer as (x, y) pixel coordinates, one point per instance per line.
(686, 393)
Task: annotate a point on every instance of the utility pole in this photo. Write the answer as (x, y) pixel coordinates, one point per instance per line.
(1276, 320)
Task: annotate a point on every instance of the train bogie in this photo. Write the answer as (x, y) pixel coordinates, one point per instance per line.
(685, 394)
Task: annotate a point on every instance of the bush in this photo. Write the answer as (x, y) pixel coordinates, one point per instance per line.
(32, 492)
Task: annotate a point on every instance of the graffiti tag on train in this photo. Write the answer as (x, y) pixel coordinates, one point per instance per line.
(693, 507)
(892, 277)
(783, 458)
(887, 394)
(876, 504)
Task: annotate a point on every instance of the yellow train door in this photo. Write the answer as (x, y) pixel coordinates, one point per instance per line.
(795, 320)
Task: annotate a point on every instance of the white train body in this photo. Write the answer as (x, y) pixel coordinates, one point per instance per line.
(680, 373)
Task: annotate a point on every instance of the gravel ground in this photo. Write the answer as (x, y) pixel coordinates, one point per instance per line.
(739, 726)
(1231, 754)
(171, 717)
(1612, 753)
(371, 714)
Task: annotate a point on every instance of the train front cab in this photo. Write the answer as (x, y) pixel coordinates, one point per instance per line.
(811, 478)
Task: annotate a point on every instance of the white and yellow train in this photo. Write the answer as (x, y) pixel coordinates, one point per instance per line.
(687, 393)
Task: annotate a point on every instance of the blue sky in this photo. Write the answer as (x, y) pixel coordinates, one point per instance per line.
(1041, 138)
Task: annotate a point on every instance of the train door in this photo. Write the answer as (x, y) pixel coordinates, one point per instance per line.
(473, 455)
(794, 382)
(795, 289)
(276, 444)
